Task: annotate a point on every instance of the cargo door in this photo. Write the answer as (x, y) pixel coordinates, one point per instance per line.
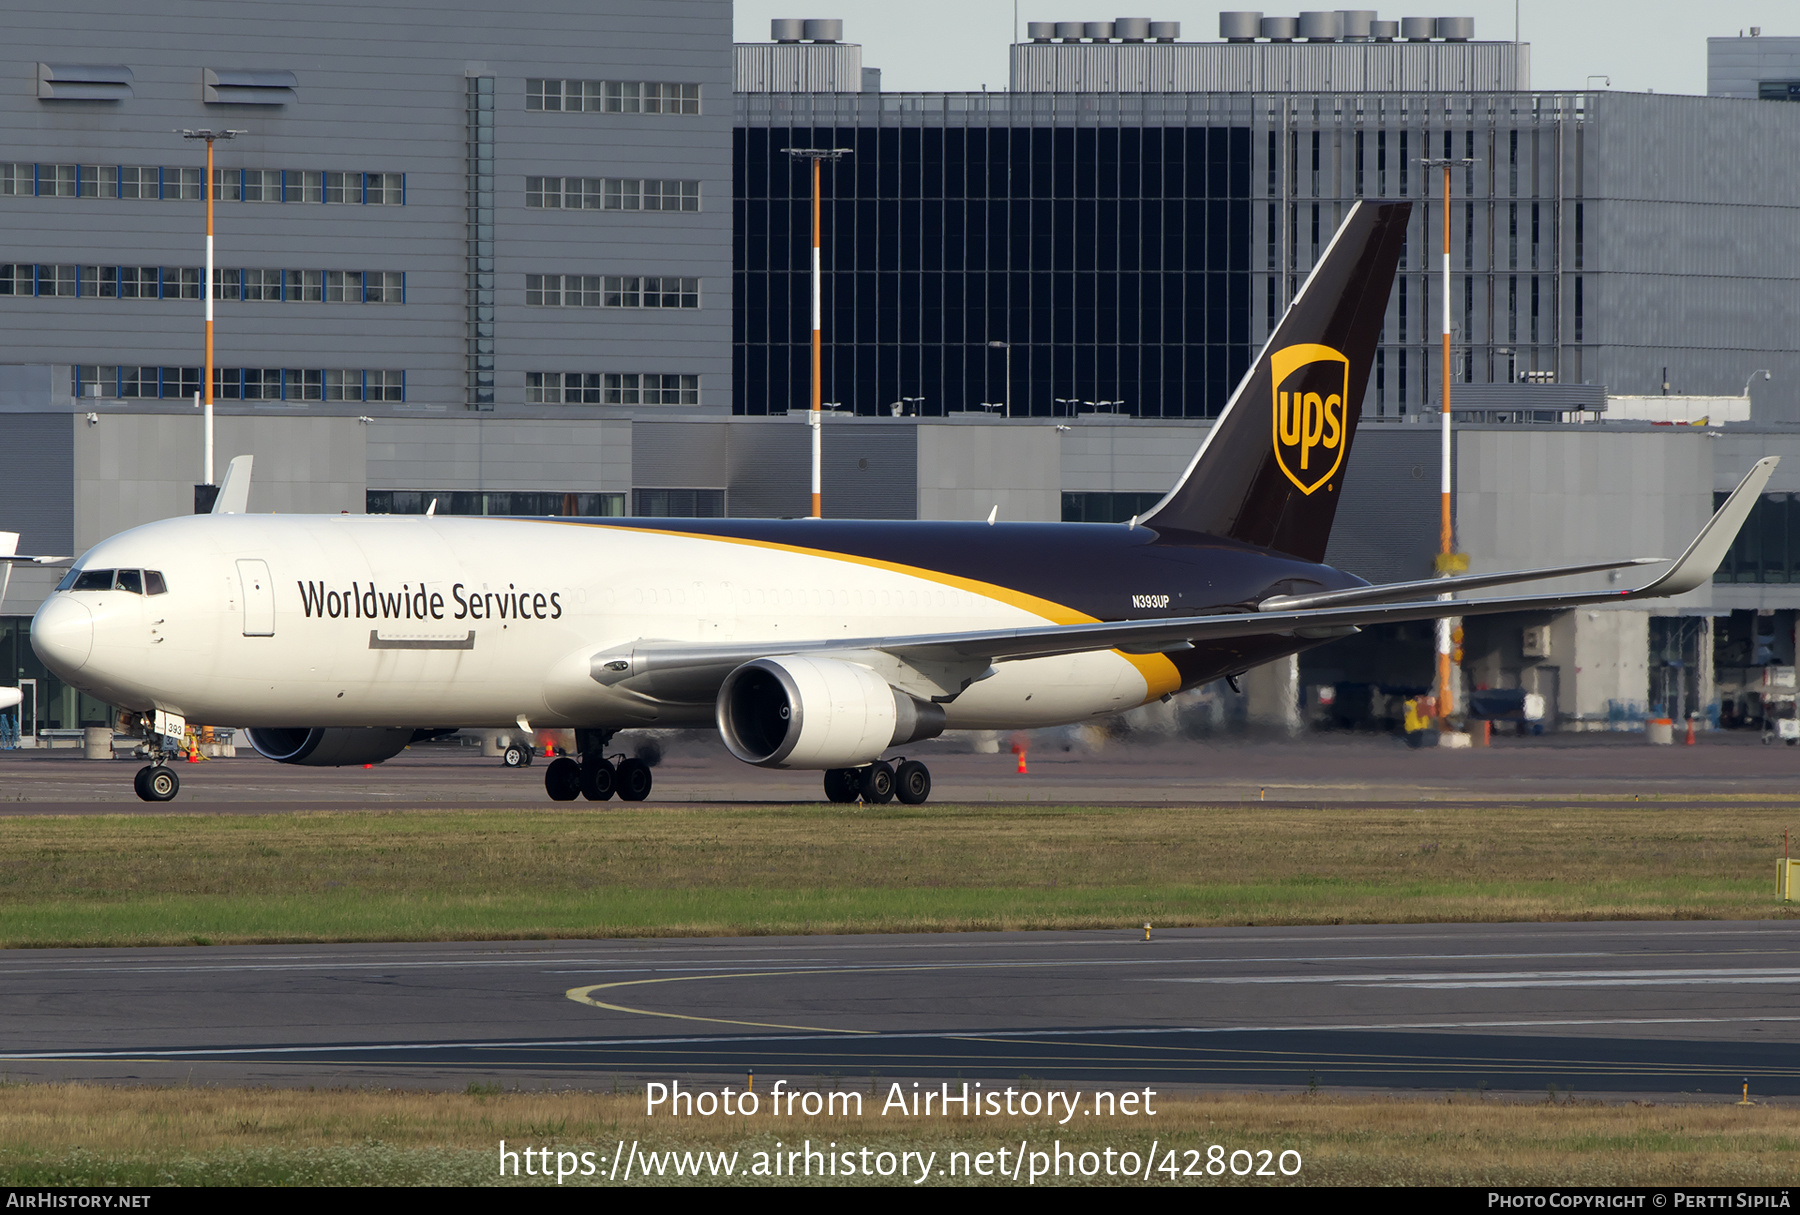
(259, 598)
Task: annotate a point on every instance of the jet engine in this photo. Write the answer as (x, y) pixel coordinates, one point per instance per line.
(329, 748)
(798, 712)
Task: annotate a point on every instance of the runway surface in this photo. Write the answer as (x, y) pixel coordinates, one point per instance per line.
(1630, 1008)
(1340, 769)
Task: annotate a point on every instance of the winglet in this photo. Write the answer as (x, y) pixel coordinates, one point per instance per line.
(234, 491)
(1696, 566)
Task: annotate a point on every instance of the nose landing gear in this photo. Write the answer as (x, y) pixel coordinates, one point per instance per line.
(156, 783)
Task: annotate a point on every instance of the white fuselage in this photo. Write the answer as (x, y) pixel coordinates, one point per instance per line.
(349, 620)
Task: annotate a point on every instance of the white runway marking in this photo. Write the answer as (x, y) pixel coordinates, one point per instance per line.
(1523, 978)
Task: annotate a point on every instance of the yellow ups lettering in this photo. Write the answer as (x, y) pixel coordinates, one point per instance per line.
(1309, 386)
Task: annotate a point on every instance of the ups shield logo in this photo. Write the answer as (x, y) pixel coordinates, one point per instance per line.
(1309, 385)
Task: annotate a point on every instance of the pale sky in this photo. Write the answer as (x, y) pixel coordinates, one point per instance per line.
(948, 45)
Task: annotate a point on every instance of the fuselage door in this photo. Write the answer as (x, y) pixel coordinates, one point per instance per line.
(259, 598)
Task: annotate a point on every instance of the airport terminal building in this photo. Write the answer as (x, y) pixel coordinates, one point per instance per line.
(555, 262)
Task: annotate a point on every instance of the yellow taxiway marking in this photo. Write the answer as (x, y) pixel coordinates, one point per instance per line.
(585, 995)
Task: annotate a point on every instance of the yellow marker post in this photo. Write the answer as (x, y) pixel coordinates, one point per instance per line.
(1146, 930)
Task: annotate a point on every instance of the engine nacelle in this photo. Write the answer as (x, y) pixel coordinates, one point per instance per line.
(798, 712)
(328, 748)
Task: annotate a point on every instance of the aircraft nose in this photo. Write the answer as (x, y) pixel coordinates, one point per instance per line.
(63, 635)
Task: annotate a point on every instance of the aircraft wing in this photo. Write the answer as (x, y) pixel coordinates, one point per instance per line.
(9, 544)
(683, 671)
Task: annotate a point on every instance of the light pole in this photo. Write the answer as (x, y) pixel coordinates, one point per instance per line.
(206, 288)
(1449, 561)
(1006, 395)
(816, 156)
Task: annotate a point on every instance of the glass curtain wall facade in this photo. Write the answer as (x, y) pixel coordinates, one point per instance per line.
(1055, 255)
(1133, 251)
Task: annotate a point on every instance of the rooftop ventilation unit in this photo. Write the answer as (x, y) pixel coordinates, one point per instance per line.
(1384, 31)
(1040, 31)
(1417, 29)
(1455, 29)
(83, 82)
(823, 30)
(1239, 27)
(787, 29)
(249, 88)
(1165, 31)
(1321, 27)
(1069, 31)
(1131, 29)
(1099, 31)
(1357, 22)
(1280, 29)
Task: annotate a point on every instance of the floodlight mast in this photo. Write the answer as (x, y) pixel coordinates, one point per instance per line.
(817, 156)
(1447, 559)
(206, 288)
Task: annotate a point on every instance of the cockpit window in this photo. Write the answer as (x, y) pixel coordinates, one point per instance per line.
(138, 582)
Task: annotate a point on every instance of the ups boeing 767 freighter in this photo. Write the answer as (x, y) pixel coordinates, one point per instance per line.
(821, 644)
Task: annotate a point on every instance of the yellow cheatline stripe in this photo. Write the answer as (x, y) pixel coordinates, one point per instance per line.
(1159, 674)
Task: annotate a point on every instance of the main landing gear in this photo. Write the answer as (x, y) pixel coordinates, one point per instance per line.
(880, 782)
(156, 783)
(595, 777)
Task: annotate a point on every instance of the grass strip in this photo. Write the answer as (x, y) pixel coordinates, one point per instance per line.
(450, 875)
(86, 1135)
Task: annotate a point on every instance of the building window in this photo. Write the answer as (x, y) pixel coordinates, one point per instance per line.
(304, 286)
(343, 385)
(641, 389)
(262, 185)
(612, 388)
(385, 386)
(611, 194)
(610, 291)
(612, 96)
(262, 284)
(561, 388)
(384, 189)
(384, 287)
(18, 179)
(182, 184)
(56, 280)
(140, 182)
(505, 502)
(1106, 507)
(1767, 548)
(678, 503)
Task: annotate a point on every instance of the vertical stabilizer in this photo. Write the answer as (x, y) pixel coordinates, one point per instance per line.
(1272, 466)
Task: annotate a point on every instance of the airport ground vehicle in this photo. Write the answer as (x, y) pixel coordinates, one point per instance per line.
(811, 644)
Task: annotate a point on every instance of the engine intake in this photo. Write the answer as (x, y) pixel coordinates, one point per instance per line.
(329, 748)
(798, 712)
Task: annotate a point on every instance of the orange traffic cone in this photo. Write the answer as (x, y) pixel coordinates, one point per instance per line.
(1022, 762)
(193, 755)
(1690, 732)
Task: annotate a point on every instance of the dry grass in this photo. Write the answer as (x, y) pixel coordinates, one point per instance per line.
(584, 872)
(77, 1134)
